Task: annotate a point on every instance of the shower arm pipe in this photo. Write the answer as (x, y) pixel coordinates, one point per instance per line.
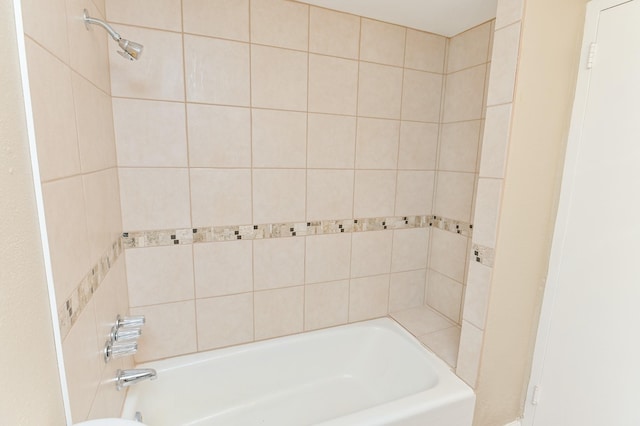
(89, 20)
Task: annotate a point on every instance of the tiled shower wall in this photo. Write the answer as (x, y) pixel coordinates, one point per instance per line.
(70, 92)
(247, 121)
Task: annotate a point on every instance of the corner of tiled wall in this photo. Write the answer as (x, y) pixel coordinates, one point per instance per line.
(71, 96)
(501, 86)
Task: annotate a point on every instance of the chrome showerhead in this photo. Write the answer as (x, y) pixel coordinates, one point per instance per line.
(130, 49)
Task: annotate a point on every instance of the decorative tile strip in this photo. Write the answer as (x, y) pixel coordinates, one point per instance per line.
(158, 238)
(71, 309)
(483, 255)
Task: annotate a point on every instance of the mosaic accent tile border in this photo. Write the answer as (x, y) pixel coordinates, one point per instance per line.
(167, 237)
(71, 309)
(483, 255)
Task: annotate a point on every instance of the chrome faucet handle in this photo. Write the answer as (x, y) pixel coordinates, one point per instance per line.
(131, 321)
(119, 350)
(123, 334)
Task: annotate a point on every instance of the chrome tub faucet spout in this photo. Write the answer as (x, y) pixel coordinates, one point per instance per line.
(126, 378)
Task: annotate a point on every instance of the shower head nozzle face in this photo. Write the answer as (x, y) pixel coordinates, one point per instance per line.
(130, 49)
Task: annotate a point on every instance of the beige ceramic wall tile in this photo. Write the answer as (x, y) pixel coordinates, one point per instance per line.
(224, 321)
(159, 275)
(329, 194)
(53, 114)
(407, 290)
(368, 297)
(220, 197)
(94, 118)
(379, 91)
(382, 42)
(449, 253)
(371, 253)
(414, 193)
(444, 343)
(444, 295)
(331, 141)
(469, 353)
(454, 195)
(82, 363)
(377, 143)
(422, 320)
(109, 302)
(278, 312)
(425, 51)
(219, 136)
(459, 146)
(409, 249)
(217, 18)
(88, 49)
(278, 262)
(504, 61)
(102, 205)
(160, 14)
(46, 22)
(326, 304)
(486, 212)
(476, 300)
(279, 138)
(154, 199)
(495, 141)
(177, 320)
(67, 232)
(217, 71)
(278, 195)
(374, 193)
(223, 268)
(508, 12)
(108, 400)
(102, 8)
(333, 85)
(418, 145)
(158, 74)
(421, 92)
(469, 48)
(464, 94)
(267, 18)
(334, 33)
(327, 257)
(150, 133)
(278, 78)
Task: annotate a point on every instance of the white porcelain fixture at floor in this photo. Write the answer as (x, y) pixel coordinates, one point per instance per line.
(368, 373)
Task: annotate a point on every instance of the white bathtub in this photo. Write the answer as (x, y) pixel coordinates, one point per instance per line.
(368, 373)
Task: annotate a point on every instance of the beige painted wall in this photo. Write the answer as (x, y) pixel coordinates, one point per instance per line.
(30, 394)
(547, 70)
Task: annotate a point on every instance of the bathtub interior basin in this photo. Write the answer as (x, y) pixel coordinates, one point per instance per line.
(367, 373)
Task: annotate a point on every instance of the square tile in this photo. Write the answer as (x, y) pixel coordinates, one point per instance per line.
(407, 290)
(445, 295)
(459, 145)
(368, 297)
(449, 252)
(382, 42)
(487, 209)
(410, 248)
(333, 85)
(421, 320)
(334, 33)
(219, 136)
(414, 193)
(454, 195)
(331, 141)
(469, 48)
(47, 24)
(444, 343)
(278, 312)
(418, 145)
(217, 71)
(267, 23)
(327, 257)
(220, 197)
(279, 195)
(509, 12)
(329, 194)
(421, 96)
(464, 94)
(223, 268)
(377, 143)
(217, 18)
(278, 78)
(326, 304)
(476, 300)
(379, 91)
(102, 207)
(371, 253)
(495, 141)
(159, 275)
(504, 61)
(374, 193)
(278, 262)
(279, 138)
(160, 14)
(469, 354)
(425, 51)
(224, 321)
